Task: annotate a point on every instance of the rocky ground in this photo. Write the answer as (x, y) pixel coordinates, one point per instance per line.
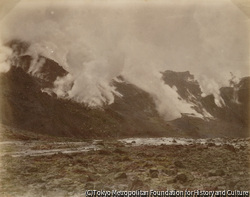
(112, 164)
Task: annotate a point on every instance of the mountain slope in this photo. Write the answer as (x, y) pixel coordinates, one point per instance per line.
(230, 119)
(26, 106)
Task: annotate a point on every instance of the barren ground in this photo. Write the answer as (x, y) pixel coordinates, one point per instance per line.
(69, 168)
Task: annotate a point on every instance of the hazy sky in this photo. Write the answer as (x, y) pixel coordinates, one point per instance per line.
(96, 41)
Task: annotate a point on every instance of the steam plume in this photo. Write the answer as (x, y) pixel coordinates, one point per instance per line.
(96, 41)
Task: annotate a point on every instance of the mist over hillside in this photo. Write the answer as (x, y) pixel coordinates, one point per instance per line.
(28, 102)
(125, 68)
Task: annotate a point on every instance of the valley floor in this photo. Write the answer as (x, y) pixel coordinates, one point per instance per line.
(40, 168)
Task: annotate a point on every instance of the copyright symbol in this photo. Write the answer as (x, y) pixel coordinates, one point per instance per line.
(88, 193)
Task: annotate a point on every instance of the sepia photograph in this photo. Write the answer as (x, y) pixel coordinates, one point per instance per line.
(124, 98)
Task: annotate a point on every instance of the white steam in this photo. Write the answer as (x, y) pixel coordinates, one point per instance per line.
(5, 54)
(96, 41)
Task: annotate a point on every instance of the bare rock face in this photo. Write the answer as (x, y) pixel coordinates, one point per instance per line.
(184, 82)
(230, 119)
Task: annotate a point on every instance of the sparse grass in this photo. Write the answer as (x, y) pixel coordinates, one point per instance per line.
(73, 173)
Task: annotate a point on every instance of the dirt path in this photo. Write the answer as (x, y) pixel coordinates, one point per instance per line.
(42, 148)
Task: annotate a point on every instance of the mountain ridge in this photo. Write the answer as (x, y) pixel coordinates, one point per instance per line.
(24, 106)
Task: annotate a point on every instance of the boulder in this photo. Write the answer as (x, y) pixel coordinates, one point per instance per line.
(153, 173)
(179, 164)
(182, 178)
(121, 175)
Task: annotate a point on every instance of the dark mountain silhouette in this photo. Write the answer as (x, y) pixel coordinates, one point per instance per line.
(25, 107)
(231, 119)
